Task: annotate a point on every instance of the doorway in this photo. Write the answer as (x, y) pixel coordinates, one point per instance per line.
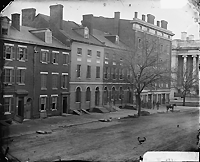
(97, 96)
(64, 103)
(20, 106)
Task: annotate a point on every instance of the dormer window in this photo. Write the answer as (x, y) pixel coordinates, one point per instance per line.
(4, 31)
(86, 32)
(117, 39)
(4, 25)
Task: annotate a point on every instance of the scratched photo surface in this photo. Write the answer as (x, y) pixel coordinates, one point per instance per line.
(96, 80)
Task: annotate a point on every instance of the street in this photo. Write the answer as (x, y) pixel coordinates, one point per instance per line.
(111, 141)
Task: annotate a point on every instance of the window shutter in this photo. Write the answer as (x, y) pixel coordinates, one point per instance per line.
(57, 103)
(12, 105)
(40, 56)
(13, 75)
(18, 49)
(13, 51)
(26, 54)
(48, 57)
(50, 103)
(23, 76)
(47, 103)
(17, 75)
(61, 81)
(39, 104)
(4, 51)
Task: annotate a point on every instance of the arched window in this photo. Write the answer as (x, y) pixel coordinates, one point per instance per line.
(78, 94)
(88, 94)
(120, 93)
(113, 93)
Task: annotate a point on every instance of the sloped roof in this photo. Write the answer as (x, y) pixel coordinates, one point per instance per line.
(73, 34)
(24, 35)
(100, 35)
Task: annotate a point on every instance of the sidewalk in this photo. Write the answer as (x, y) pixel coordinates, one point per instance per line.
(52, 123)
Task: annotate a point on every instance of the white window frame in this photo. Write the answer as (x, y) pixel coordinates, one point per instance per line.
(64, 74)
(21, 68)
(66, 62)
(56, 96)
(47, 57)
(43, 96)
(53, 73)
(80, 54)
(55, 55)
(25, 55)
(10, 104)
(88, 53)
(11, 75)
(12, 56)
(43, 73)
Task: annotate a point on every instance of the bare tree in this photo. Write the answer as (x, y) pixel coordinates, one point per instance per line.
(185, 82)
(146, 66)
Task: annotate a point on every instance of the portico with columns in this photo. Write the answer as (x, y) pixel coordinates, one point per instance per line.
(185, 56)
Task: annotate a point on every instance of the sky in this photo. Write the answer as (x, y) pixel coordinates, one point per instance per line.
(178, 13)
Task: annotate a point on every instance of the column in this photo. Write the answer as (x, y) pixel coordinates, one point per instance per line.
(194, 66)
(184, 67)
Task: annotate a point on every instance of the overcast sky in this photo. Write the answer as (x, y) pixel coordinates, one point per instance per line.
(179, 19)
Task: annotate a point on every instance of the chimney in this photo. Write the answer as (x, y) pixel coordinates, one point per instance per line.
(136, 15)
(143, 17)
(16, 21)
(116, 23)
(183, 35)
(28, 16)
(56, 15)
(150, 18)
(158, 23)
(191, 37)
(164, 24)
(88, 22)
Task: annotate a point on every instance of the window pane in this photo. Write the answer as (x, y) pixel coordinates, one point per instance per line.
(79, 51)
(98, 54)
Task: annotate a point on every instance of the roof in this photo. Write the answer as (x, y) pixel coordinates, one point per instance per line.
(75, 35)
(100, 35)
(24, 35)
(185, 44)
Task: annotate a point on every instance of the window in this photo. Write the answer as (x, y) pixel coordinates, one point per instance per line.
(4, 31)
(65, 58)
(120, 93)
(64, 80)
(54, 80)
(9, 51)
(107, 56)
(78, 71)
(9, 75)
(98, 72)
(22, 54)
(54, 101)
(55, 57)
(43, 102)
(44, 80)
(98, 54)
(21, 75)
(86, 32)
(45, 57)
(106, 74)
(7, 104)
(88, 75)
(78, 94)
(88, 94)
(113, 73)
(89, 53)
(79, 51)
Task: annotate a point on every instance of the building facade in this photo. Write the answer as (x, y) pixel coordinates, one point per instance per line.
(185, 56)
(31, 59)
(131, 33)
(86, 55)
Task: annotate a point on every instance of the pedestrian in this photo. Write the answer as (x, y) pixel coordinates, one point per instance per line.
(157, 104)
(154, 103)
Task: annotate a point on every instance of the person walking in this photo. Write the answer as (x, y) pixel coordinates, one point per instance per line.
(157, 104)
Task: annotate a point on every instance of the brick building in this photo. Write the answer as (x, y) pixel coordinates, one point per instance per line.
(86, 55)
(36, 71)
(131, 33)
(185, 56)
(116, 89)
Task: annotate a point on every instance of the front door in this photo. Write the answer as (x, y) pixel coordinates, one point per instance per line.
(96, 97)
(64, 104)
(21, 106)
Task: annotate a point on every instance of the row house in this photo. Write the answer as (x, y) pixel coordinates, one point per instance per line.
(185, 57)
(132, 33)
(87, 53)
(35, 72)
(116, 88)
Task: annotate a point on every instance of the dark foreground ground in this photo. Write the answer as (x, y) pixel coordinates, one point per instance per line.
(111, 141)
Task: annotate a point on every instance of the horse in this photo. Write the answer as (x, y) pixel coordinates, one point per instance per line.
(170, 106)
